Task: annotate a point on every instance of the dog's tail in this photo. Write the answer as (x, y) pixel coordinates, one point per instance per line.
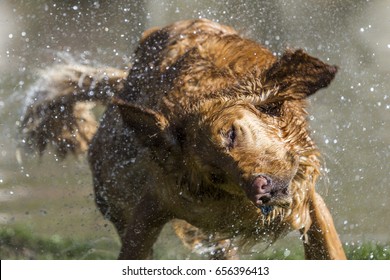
(59, 103)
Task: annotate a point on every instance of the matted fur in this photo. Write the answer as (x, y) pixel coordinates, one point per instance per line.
(202, 123)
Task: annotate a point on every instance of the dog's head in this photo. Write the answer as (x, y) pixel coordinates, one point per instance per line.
(251, 138)
(241, 148)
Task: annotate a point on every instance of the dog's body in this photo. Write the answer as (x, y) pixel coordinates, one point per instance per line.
(207, 128)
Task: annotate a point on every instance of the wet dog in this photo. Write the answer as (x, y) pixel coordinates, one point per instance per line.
(207, 129)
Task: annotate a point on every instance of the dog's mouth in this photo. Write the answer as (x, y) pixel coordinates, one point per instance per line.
(282, 202)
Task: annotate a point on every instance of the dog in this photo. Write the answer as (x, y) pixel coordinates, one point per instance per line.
(206, 129)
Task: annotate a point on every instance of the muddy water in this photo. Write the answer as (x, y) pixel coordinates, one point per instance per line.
(350, 120)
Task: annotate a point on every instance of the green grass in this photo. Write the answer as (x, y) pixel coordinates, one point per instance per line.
(368, 251)
(361, 251)
(20, 243)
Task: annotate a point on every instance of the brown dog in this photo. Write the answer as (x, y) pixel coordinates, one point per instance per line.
(207, 129)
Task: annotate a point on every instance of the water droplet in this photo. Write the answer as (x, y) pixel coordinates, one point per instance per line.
(357, 178)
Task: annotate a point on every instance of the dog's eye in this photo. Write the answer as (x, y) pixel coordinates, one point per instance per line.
(231, 137)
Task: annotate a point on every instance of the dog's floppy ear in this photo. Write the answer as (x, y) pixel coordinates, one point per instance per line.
(299, 74)
(150, 126)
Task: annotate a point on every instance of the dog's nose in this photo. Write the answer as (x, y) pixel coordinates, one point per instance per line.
(264, 189)
(262, 185)
(259, 192)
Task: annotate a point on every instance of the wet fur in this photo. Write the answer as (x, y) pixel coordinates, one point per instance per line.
(162, 153)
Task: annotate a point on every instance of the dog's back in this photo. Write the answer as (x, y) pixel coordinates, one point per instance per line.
(190, 60)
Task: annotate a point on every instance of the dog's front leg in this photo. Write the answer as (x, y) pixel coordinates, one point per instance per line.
(142, 231)
(322, 241)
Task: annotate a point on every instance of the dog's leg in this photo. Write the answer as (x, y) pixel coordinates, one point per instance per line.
(194, 239)
(322, 239)
(142, 232)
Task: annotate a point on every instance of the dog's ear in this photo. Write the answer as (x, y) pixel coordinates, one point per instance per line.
(298, 75)
(150, 126)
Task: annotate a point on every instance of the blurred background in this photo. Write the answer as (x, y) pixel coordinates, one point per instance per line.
(46, 205)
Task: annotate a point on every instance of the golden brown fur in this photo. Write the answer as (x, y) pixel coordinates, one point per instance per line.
(207, 129)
